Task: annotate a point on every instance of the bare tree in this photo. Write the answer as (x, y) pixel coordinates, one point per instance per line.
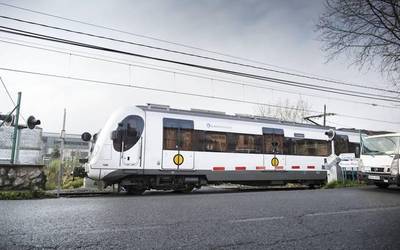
(285, 111)
(366, 30)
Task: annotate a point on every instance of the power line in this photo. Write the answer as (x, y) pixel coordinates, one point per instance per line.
(191, 74)
(148, 88)
(161, 40)
(364, 118)
(237, 73)
(91, 81)
(194, 55)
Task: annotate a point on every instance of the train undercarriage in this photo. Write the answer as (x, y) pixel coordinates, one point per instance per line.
(138, 184)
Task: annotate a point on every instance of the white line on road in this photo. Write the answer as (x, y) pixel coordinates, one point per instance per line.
(257, 219)
(361, 210)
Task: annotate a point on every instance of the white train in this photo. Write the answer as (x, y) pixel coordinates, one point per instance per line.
(157, 147)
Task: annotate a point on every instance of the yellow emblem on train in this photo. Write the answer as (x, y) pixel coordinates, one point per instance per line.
(274, 161)
(178, 159)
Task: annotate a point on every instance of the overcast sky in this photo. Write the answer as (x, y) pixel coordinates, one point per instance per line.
(279, 33)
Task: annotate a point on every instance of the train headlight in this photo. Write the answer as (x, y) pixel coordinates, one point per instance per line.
(394, 168)
(361, 166)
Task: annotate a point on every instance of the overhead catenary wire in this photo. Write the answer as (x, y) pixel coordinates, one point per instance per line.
(194, 55)
(220, 70)
(165, 41)
(129, 85)
(175, 71)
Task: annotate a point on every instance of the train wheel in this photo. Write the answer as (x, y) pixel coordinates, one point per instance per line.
(184, 190)
(135, 191)
(382, 185)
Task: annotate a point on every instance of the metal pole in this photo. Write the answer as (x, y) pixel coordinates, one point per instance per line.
(60, 172)
(14, 142)
(324, 115)
(19, 131)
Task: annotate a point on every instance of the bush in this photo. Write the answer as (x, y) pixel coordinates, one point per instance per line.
(52, 170)
(24, 195)
(70, 183)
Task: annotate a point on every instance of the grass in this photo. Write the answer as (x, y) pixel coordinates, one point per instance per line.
(24, 195)
(68, 182)
(343, 184)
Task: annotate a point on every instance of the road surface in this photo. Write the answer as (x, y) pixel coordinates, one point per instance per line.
(353, 218)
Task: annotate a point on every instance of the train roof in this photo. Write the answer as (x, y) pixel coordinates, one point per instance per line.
(223, 115)
(384, 135)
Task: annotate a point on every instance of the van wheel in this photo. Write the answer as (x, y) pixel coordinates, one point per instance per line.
(134, 191)
(382, 185)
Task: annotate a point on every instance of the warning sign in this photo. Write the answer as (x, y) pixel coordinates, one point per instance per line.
(274, 161)
(178, 159)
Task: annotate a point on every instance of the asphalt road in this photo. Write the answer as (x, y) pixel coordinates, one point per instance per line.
(355, 218)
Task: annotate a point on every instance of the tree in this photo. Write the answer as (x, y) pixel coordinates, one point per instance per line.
(366, 30)
(285, 111)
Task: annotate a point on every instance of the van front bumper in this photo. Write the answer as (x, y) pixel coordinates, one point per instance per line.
(372, 178)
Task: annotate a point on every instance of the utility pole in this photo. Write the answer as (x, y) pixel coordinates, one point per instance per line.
(15, 136)
(324, 115)
(60, 172)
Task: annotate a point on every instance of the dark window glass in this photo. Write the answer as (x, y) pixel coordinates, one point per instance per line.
(247, 143)
(215, 141)
(127, 133)
(170, 139)
(273, 143)
(178, 139)
(185, 139)
(354, 148)
(341, 144)
(288, 146)
(308, 147)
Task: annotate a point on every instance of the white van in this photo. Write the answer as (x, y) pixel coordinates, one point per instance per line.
(379, 160)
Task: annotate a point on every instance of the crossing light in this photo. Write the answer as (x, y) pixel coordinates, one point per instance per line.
(86, 136)
(331, 134)
(32, 122)
(7, 119)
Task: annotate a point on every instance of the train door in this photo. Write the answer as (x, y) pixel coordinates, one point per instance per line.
(177, 144)
(273, 157)
(127, 140)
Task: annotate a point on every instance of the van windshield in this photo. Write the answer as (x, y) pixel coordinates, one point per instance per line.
(388, 145)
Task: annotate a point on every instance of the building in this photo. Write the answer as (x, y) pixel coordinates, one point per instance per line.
(74, 147)
(37, 147)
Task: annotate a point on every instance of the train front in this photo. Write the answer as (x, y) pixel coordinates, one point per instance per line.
(117, 146)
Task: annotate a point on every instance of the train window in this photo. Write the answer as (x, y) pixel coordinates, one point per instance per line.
(354, 148)
(308, 147)
(178, 139)
(273, 144)
(185, 139)
(215, 141)
(178, 123)
(341, 144)
(273, 140)
(128, 133)
(247, 143)
(170, 139)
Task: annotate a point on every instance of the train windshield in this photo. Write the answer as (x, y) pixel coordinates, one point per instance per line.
(387, 145)
(128, 133)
